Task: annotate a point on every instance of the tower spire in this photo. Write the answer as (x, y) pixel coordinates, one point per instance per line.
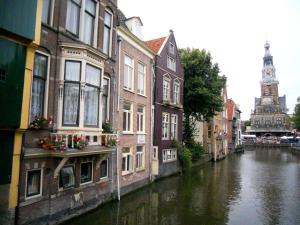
(268, 58)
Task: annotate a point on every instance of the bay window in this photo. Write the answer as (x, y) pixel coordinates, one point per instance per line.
(128, 73)
(176, 93)
(89, 21)
(71, 93)
(34, 183)
(73, 16)
(165, 126)
(141, 79)
(40, 71)
(174, 126)
(140, 119)
(166, 89)
(127, 114)
(66, 177)
(107, 32)
(92, 92)
(139, 157)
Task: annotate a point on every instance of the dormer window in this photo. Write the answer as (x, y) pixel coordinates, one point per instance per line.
(171, 48)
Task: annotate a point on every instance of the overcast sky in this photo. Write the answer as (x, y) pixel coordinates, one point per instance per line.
(234, 31)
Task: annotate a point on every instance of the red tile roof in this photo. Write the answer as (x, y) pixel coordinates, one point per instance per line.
(156, 44)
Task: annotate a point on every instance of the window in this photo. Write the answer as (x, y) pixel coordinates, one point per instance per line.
(171, 48)
(154, 155)
(174, 126)
(73, 16)
(34, 183)
(176, 93)
(105, 100)
(141, 79)
(71, 93)
(86, 172)
(38, 85)
(140, 119)
(126, 161)
(128, 73)
(209, 131)
(171, 63)
(66, 177)
(127, 113)
(139, 157)
(166, 89)
(91, 96)
(104, 168)
(165, 126)
(89, 21)
(46, 11)
(107, 32)
(169, 155)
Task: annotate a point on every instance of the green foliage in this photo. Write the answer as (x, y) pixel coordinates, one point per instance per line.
(247, 123)
(106, 126)
(296, 117)
(186, 159)
(202, 84)
(196, 149)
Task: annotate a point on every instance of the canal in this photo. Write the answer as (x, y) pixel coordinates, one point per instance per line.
(256, 187)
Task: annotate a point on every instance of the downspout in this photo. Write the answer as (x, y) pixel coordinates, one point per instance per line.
(119, 40)
(151, 121)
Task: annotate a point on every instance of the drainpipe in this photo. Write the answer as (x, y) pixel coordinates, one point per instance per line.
(119, 40)
(151, 118)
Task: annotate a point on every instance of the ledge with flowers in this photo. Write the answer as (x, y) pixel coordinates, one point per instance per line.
(67, 143)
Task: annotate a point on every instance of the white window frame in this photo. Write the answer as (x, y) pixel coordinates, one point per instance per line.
(174, 126)
(166, 88)
(171, 63)
(92, 176)
(111, 32)
(165, 125)
(130, 112)
(140, 158)
(169, 155)
(141, 122)
(128, 156)
(176, 93)
(81, 100)
(141, 74)
(41, 184)
(46, 93)
(171, 48)
(80, 34)
(127, 67)
(102, 178)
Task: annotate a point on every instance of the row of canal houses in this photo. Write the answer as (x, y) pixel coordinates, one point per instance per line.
(104, 108)
(92, 109)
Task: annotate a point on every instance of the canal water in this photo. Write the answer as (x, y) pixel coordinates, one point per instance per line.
(256, 187)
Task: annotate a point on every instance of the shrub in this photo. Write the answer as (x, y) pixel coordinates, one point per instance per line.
(196, 149)
(186, 159)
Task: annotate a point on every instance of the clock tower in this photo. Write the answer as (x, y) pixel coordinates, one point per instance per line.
(269, 116)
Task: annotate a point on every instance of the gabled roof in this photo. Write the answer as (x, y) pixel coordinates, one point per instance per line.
(156, 44)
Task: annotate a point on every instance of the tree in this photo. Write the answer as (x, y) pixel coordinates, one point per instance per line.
(202, 88)
(296, 117)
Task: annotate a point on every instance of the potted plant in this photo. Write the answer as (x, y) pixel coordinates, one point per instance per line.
(40, 122)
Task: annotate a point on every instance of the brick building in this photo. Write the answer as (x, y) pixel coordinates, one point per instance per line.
(134, 103)
(168, 101)
(68, 166)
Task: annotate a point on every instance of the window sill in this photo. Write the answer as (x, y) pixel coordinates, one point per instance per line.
(168, 161)
(103, 180)
(128, 132)
(86, 183)
(141, 132)
(131, 91)
(142, 95)
(140, 169)
(165, 139)
(125, 173)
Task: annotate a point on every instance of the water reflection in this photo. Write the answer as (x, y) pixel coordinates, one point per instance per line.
(258, 187)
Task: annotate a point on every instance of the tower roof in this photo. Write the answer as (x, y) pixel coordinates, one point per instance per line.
(268, 58)
(267, 49)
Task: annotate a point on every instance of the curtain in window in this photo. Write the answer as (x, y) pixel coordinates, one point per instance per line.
(46, 11)
(106, 35)
(33, 182)
(73, 14)
(89, 18)
(38, 85)
(71, 104)
(91, 106)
